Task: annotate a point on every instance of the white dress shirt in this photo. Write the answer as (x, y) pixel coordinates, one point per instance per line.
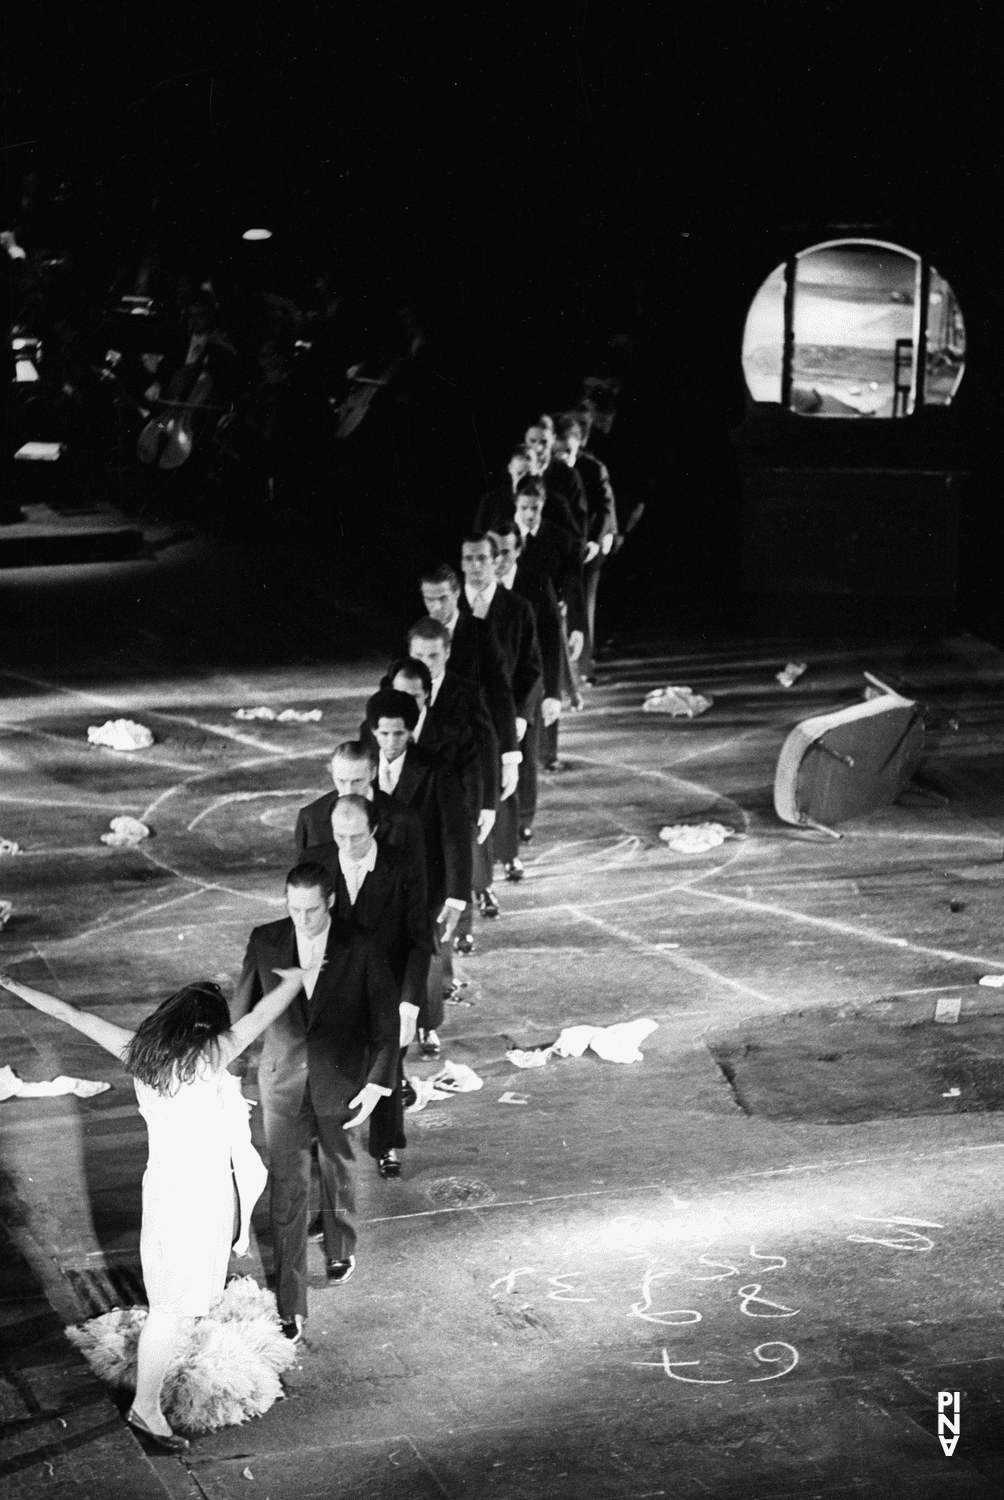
(508, 579)
(309, 953)
(421, 723)
(356, 870)
(389, 773)
(480, 599)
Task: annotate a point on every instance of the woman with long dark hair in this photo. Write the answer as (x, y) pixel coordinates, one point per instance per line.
(201, 1158)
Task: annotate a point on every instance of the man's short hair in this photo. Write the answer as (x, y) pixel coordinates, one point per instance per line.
(428, 629)
(443, 574)
(407, 666)
(389, 703)
(531, 487)
(567, 424)
(544, 421)
(369, 808)
(308, 875)
(357, 750)
(509, 528)
(475, 538)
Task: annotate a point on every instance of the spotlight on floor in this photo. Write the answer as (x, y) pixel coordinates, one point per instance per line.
(257, 234)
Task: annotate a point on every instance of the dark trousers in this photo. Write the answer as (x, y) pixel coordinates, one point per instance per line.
(528, 771)
(288, 1141)
(591, 582)
(505, 834)
(387, 1120)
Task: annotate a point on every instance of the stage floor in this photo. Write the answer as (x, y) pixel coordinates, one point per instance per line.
(585, 1268)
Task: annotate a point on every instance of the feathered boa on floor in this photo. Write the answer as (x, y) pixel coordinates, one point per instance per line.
(225, 1370)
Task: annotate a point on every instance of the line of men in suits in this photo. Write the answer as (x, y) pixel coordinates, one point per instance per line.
(440, 784)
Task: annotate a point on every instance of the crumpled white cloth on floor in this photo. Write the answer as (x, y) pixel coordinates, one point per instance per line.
(287, 716)
(120, 734)
(457, 1078)
(694, 838)
(8, 846)
(679, 702)
(535, 1059)
(792, 672)
(618, 1043)
(125, 832)
(425, 1091)
(6, 911)
(993, 981)
(12, 1087)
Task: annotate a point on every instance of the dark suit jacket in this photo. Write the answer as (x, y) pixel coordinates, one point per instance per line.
(431, 789)
(601, 506)
(396, 826)
(559, 556)
(566, 503)
(346, 1035)
(511, 618)
(538, 590)
(390, 909)
(476, 656)
(458, 725)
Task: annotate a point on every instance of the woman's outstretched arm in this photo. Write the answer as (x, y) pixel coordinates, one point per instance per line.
(114, 1039)
(269, 1007)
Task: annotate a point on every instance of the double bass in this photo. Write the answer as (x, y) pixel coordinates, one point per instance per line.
(168, 439)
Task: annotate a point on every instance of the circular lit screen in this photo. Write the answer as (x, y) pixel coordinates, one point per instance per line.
(856, 326)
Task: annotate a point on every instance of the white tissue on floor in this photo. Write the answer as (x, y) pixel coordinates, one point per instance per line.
(125, 832)
(12, 1087)
(425, 1091)
(457, 1078)
(791, 673)
(120, 734)
(618, 1043)
(6, 911)
(8, 846)
(695, 838)
(993, 981)
(287, 716)
(678, 702)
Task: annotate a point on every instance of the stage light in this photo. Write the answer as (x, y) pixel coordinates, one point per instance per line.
(257, 234)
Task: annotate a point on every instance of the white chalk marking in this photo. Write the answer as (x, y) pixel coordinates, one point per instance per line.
(561, 1295)
(508, 1282)
(900, 1219)
(678, 960)
(677, 1317)
(666, 1365)
(846, 929)
(230, 797)
(730, 1271)
(766, 1359)
(920, 1244)
(751, 1293)
(780, 1261)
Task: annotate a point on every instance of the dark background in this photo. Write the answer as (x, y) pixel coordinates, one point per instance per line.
(533, 183)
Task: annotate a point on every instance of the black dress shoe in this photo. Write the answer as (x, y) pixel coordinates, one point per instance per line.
(293, 1328)
(339, 1271)
(429, 1044)
(167, 1442)
(487, 904)
(514, 870)
(526, 834)
(408, 1095)
(464, 945)
(388, 1165)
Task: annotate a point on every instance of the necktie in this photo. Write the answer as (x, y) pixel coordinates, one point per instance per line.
(386, 785)
(479, 606)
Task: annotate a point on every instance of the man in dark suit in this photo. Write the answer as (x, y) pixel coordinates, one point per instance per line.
(476, 656)
(538, 591)
(455, 737)
(428, 786)
(601, 515)
(333, 1051)
(353, 769)
(372, 894)
(511, 617)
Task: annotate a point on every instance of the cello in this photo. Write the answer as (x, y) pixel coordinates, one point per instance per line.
(168, 439)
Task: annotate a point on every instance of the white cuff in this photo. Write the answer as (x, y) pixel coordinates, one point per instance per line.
(511, 757)
(454, 904)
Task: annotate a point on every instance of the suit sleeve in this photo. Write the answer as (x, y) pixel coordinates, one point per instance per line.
(456, 834)
(488, 749)
(300, 838)
(550, 638)
(384, 1024)
(604, 522)
(419, 936)
(249, 988)
(528, 670)
(497, 688)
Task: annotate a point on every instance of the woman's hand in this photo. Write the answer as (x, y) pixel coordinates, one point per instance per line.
(297, 974)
